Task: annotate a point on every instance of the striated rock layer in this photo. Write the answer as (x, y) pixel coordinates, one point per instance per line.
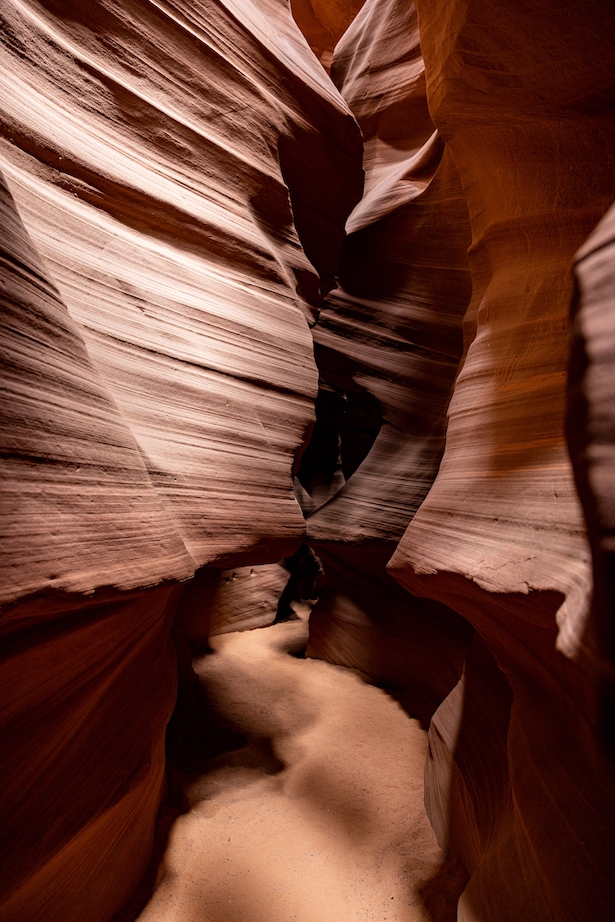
(167, 228)
(158, 378)
(591, 439)
(521, 95)
(392, 328)
(176, 180)
(390, 334)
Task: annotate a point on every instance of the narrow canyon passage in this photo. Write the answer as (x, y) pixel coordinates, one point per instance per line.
(320, 817)
(307, 299)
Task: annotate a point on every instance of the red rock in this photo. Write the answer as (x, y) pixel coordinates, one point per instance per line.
(177, 182)
(159, 378)
(393, 327)
(79, 509)
(323, 22)
(591, 440)
(519, 95)
(239, 599)
(87, 690)
(392, 332)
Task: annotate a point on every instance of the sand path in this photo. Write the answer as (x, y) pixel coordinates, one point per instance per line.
(320, 818)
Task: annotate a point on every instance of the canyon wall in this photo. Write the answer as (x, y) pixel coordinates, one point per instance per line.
(520, 94)
(591, 439)
(391, 332)
(521, 98)
(176, 181)
(158, 378)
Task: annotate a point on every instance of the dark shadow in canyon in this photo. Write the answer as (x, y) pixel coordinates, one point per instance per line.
(347, 425)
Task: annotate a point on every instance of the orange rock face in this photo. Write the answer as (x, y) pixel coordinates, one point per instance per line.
(391, 332)
(519, 96)
(393, 326)
(158, 377)
(176, 183)
(591, 440)
(323, 22)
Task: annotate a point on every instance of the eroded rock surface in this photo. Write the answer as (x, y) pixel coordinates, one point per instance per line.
(323, 22)
(389, 334)
(158, 378)
(176, 181)
(520, 97)
(591, 439)
(393, 326)
(165, 223)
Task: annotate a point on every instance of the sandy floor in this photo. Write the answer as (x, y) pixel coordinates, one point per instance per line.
(321, 818)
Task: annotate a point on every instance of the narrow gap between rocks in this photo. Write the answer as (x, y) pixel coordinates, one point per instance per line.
(295, 787)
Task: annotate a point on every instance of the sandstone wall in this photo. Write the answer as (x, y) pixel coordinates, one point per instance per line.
(323, 22)
(391, 331)
(591, 437)
(520, 95)
(158, 379)
(176, 181)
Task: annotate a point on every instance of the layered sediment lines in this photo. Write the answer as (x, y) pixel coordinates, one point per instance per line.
(391, 331)
(591, 439)
(176, 179)
(520, 98)
(393, 325)
(165, 223)
(158, 378)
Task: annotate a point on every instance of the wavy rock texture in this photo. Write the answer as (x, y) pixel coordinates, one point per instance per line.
(521, 95)
(390, 332)
(178, 176)
(323, 22)
(158, 378)
(393, 326)
(163, 218)
(591, 438)
(87, 690)
(87, 684)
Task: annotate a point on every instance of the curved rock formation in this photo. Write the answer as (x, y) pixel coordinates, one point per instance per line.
(591, 440)
(183, 254)
(521, 96)
(393, 326)
(391, 331)
(323, 22)
(176, 182)
(158, 380)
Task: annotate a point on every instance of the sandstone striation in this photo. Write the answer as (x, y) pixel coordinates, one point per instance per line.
(242, 598)
(520, 96)
(591, 441)
(198, 279)
(158, 379)
(390, 333)
(167, 227)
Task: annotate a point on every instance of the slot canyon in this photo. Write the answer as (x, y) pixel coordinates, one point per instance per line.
(308, 461)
